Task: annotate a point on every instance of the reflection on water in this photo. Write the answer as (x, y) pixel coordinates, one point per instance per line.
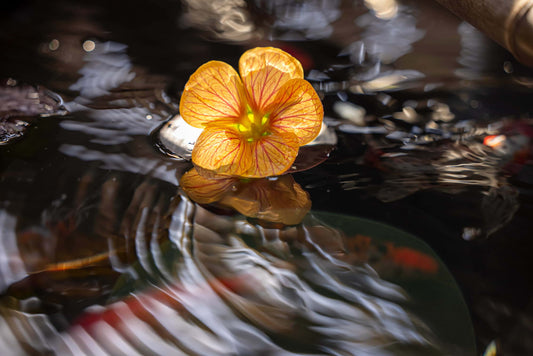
(383, 9)
(475, 49)
(109, 246)
(387, 38)
(12, 268)
(273, 200)
(301, 20)
(20, 105)
(224, 19)
(220, 286)
(106, 67)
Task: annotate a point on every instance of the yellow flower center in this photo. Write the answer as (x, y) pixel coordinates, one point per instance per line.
(253, 126)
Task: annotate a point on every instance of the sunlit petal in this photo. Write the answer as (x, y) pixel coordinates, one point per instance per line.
(264, 70)
(297, 109)
(272, 155)
(205, 190)
(213, 93)
(222, 150)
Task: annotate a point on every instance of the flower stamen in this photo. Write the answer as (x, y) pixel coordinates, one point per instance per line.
(253, 126)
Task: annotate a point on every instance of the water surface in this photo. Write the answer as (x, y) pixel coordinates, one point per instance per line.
(417, 239)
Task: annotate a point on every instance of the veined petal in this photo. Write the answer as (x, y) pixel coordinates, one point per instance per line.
(264, 70)
(222, 150)
(205, 190)
(214, 93)
(272, 155)
(297, 109)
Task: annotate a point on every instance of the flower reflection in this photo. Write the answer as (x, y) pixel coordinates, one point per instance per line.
(276, 200)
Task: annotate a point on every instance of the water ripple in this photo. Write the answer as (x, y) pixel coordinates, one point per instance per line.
(214, 290)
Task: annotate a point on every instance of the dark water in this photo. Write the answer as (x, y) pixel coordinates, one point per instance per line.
(418, 238)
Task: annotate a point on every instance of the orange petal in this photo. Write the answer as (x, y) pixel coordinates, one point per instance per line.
(272, 155)
(214, 93)
(205, 190)
(223, 150)
(297, 109)
(264, 70)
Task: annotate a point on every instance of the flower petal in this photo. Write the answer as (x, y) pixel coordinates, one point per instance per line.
(272, 155)
(297, 109)
(222, 150)
(214, 93)
(264, 70)
(205, 190)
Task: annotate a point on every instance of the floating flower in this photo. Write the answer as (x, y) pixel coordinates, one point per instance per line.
(278, 200)
(253, 124)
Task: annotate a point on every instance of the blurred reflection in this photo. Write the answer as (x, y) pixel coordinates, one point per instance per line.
(386, 39)
(423, 146)
(451, 168)
(199, 283)
(134, 101)
(123, 162)
(224, 19)
(195, 282)
(387, 81)
(11, 266)
(24, 333)
(301, 20)
(383, 9)
(388, 33)
(19, 106)
(113, 126)
(218, 296)
(480, 56)
(277, 199)
(106, 67)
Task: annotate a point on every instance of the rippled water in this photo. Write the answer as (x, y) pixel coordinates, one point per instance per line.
(416, 236)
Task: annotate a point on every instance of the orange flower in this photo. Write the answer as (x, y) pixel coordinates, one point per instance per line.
(254, 123)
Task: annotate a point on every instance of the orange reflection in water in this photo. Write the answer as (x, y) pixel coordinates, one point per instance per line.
(277, 200)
